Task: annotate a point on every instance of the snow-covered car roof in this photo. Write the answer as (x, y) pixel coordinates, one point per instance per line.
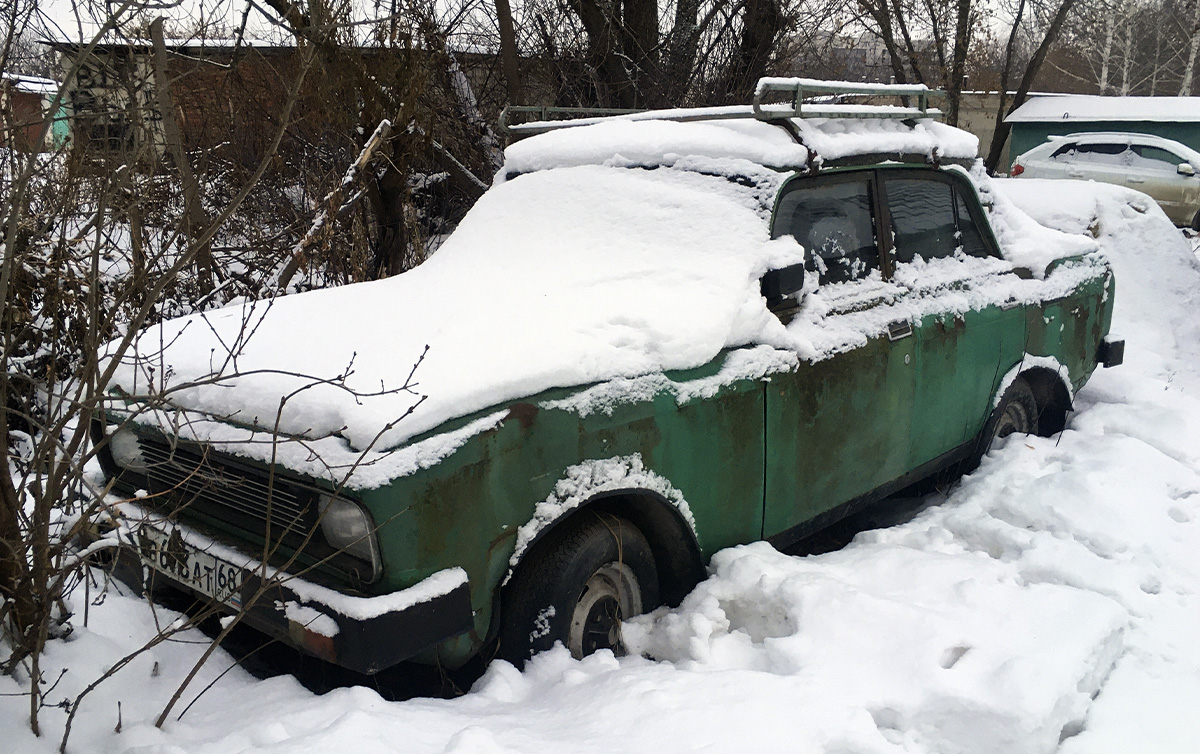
(656, 139)
(1182, 150)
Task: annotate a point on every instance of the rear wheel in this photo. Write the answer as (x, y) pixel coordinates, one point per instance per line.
(577, 587)
(1017, 412)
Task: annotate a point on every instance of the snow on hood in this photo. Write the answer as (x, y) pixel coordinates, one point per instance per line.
(553, 279)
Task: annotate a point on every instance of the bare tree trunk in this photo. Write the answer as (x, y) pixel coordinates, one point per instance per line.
(1106, 54)
(509, 59)
(614, 86)
(1185, 86)
(914, 60)
(18, 607)
(1000, 136)
(682, 44)
(1127, 59)
(962, 40)
(761, 22)
(882, 17)
(195, 219)
(1010, 49)
(1157, 58)
(640, 42)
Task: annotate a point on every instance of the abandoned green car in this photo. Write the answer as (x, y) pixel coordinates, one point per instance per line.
(655, 337)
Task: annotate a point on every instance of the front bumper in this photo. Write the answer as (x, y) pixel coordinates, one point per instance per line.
(364, 634)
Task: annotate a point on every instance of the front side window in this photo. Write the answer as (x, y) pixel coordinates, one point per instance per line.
(931, 220)
(970, 238)
(1154, 158)
(833, 221)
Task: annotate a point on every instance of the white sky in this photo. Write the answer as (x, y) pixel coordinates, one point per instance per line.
(79, 19)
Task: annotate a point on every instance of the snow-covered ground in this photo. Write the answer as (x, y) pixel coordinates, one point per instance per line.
(1049, 602)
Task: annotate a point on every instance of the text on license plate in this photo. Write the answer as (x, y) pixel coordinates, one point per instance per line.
(168, 553)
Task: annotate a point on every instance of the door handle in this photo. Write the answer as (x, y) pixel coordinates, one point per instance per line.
(900, 328)
(1136, 180)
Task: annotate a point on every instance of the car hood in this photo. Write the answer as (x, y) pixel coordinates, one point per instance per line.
(554, 279)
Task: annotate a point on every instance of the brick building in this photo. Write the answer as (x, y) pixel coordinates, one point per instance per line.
(226, 97)
(24, 101)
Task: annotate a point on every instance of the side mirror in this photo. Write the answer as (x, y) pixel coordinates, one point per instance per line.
(1185, 168)
(777, 285)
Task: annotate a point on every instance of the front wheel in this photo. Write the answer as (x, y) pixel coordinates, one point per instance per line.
(577, 587)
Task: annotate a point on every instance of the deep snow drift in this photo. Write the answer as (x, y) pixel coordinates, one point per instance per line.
(1047, 604)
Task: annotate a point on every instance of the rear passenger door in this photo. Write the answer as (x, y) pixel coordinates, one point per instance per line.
(945, 255)
(1104, 161)
(838, 427)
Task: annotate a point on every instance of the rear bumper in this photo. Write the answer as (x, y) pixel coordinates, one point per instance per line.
(363, 634)
(1110, 353)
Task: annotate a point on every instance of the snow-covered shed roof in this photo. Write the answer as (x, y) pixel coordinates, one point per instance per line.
(31, 84)
(1089, 107)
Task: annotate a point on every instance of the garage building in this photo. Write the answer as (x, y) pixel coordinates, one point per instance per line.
(1176, 118)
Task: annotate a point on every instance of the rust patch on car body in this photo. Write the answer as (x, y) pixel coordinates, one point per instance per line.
(523, 413)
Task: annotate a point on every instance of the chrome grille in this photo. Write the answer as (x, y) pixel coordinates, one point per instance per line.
(226, 489)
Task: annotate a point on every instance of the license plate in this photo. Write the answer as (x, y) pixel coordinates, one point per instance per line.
(207, 574)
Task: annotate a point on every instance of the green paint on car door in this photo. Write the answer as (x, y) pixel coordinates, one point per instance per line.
(962, 354)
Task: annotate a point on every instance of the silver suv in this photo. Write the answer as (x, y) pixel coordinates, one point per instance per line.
(1162, 168)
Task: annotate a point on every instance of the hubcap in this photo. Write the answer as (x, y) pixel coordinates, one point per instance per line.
(608, 596)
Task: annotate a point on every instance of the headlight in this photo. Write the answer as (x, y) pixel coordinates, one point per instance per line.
(126, 451)
(347, 527)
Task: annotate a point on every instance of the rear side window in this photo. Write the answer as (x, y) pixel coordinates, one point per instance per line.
(834, 222)
(1102, 154)
(931, 219)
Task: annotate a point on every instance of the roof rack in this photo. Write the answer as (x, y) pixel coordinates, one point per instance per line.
(800, 89)
(541, 119)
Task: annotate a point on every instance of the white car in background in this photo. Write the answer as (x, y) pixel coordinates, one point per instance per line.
(1162, 168)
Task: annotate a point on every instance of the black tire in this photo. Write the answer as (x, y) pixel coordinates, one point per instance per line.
(576, 587)
(1196, 221)
(1017, 412)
